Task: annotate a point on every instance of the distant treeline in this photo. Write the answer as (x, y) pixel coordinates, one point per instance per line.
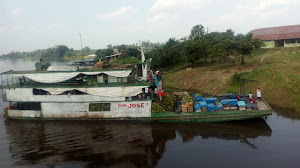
(205, 48)
(127, 50)
(62, 52)
(199, 47)
(59, 52)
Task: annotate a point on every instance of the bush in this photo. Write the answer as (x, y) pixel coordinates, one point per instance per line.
(169, 101)
(235, 79)
(157, 108)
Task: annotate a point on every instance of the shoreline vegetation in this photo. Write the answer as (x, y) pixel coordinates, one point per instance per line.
(276, 71)
(206, 62)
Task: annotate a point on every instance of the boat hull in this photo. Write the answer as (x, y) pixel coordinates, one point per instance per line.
(216, 116)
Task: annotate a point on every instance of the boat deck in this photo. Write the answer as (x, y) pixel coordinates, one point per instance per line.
(262, 105)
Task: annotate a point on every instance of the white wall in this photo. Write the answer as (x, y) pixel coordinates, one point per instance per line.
(269, 44)
(117, 109)
(24, 113)
(64, 110)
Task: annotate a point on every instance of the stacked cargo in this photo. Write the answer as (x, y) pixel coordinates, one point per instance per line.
(208, 104)
(184, 106)
(230, 104)
(187, 104)
(242, 105)
(201, 104)
(191, 107)
(197, 103)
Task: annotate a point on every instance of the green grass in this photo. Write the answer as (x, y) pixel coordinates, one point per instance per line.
(278, 76)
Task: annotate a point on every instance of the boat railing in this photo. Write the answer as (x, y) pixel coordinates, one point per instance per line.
(15, 82)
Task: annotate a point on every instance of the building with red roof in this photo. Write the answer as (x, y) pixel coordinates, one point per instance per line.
(283, 36)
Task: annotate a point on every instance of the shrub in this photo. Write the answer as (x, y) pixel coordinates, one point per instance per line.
(157, 108)
(169, 101)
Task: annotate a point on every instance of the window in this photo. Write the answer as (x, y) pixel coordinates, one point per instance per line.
(39, 91)
(26, 106)
(99, 107)
(287, 41)
(120, 80)
(112, 79)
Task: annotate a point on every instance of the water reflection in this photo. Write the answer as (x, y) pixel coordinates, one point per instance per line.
(113, 144)
(287, 113)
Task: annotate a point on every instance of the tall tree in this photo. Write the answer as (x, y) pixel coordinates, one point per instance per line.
(60, 51)
(197, 32)
(122, 49)
(245, 44)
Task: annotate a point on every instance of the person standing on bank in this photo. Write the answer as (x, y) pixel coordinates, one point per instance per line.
(250, 97)
(258, 93)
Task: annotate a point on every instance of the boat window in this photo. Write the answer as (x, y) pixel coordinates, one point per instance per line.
(39, 92)
(120, 80)
(26, 106)
(99, 107)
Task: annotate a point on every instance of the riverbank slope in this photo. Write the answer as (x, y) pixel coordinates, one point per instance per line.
(276, 71)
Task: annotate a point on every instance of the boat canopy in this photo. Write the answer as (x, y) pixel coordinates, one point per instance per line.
(56, 77)
(122, 91)
(62, 68)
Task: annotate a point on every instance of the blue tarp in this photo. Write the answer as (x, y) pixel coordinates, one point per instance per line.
(198, 98)
(211, 99)
(219, 107)
(203, 104)
(199, 105)
(233, 102)
(241, 104)
(211, 106)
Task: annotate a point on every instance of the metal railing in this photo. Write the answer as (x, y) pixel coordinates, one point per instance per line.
(15, 82)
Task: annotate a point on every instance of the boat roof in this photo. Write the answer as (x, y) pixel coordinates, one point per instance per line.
(83, 61)
(39, 72)
(113, 55)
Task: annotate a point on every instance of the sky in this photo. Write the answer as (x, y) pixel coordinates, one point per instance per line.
(27, 25)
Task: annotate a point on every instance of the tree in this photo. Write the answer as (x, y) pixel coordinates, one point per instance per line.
(109, 46)
(171, 42)
(197, 32)
(48, 53)
(195, 50)
(122, 49)
(245, 44)
(133, 52)
(104, 52)
(86, 51)
(60, 51)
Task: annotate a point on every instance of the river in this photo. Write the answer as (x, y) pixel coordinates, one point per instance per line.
(271, 142)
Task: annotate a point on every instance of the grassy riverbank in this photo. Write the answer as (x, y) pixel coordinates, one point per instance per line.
(278, 75)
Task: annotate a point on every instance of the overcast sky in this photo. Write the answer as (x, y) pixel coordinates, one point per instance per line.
(27, 25)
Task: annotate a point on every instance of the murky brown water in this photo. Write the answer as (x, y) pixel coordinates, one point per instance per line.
(273, 142)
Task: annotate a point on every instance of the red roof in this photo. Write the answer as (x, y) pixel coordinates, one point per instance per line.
(277, 33)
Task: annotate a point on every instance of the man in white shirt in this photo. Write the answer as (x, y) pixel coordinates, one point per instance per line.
(258, 93)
